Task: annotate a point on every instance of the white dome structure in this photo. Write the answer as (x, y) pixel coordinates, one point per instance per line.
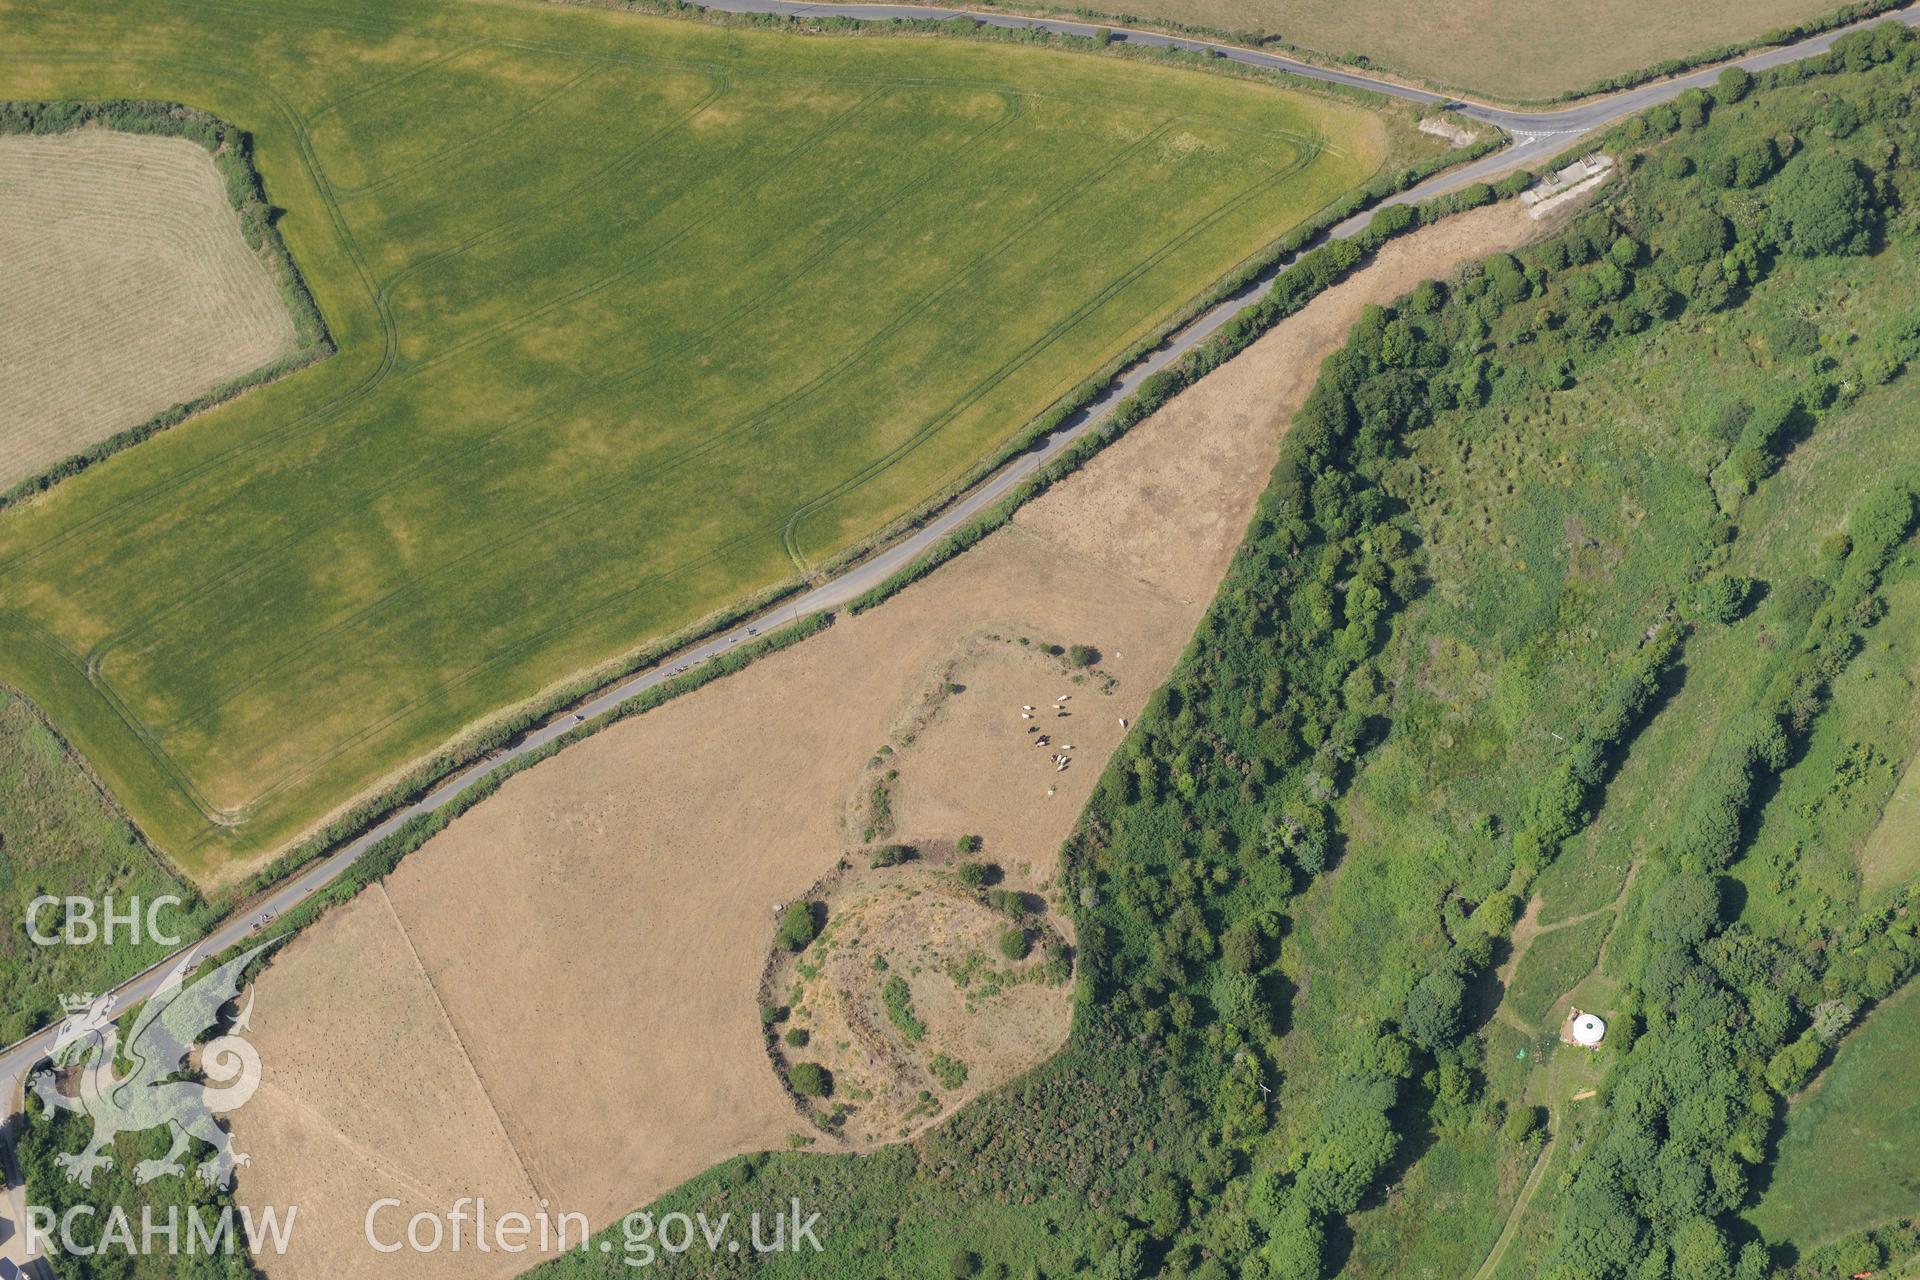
(1588, 1030)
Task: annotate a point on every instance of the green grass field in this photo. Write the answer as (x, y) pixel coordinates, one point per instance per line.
(1802, 871)
(59, 836)
(1554, 963)
(1850, 1154)
(1891, 855)
(636, 317)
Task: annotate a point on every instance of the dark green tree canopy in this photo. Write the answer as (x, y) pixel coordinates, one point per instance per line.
(1824, 205)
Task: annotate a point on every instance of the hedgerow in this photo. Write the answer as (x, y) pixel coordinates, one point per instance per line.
(232, 152)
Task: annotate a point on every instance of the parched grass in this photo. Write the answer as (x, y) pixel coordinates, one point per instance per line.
(635, 318)
(1510, 49)
(1850, 1153)
(126, 287)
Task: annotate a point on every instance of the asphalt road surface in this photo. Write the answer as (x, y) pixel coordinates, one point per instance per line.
(1537, 136)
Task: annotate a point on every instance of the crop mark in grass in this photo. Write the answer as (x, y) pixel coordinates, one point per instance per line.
(413, 585)
(280, 14)
(804, 256)
(426, 164)
(381, 297)
(238, 814)
(716, 76)
(823, 251)
(434, 462)
(326, 18)
(267, 558)
(719, 87)
(97, 654)
(789, 533)
(530, 641)
(367, 497)
(161, 759)
(621, 485)
(295, 126)
(792, 156)
(825, 248)
(393, 81)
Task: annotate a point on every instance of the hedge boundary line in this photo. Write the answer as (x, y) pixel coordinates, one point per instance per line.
(467, 749)
(972, 28)
(1383, 187)
(232, 152)
(497, 733)
(1275, 258)
(387, 853)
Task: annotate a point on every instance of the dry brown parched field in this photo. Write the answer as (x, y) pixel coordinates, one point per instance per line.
(557, 998)
(1511, 49)
(125, 288)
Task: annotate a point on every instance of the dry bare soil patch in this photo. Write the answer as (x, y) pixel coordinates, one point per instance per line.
(125, 288)
(586, 948)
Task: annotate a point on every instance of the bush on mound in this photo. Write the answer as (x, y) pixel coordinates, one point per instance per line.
(976, 874)
(810, 1079)
(1014, 944)
(1520, 1124)
(797, 926)
(891, 855)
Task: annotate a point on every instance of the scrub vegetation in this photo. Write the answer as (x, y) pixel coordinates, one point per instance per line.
(635, 318)
(1526, 520)
(49, 1134)
(60, 836)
